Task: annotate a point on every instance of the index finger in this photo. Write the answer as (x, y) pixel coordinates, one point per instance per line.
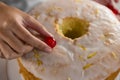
(21, 32)
(30, 22)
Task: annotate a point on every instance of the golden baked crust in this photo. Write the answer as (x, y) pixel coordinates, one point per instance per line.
(113, 75)
(27, 75)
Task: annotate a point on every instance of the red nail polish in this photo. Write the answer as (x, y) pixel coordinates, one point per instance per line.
(50, 42)
(115, 11)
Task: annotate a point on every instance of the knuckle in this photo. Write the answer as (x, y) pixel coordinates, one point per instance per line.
(21, 50)
(7, 25)
(28, 49)
(29, 17)
(24, 49)
(27, 37)
(26, 17)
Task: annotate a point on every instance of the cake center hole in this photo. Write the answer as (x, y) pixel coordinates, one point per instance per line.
(73, 27)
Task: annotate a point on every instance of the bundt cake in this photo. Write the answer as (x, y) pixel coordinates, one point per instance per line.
(88, 42)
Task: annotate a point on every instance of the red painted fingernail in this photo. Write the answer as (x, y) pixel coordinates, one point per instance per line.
(115, 11)
(50, 42)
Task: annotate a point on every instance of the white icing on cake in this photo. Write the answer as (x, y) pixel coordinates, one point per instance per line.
(93, 56)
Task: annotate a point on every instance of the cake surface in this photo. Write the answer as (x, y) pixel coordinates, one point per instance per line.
(88, 41)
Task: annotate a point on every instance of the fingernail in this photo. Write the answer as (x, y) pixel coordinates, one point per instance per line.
(48, 49)
(50, 42)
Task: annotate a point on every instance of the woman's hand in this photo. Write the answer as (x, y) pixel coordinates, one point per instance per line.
(15, 36)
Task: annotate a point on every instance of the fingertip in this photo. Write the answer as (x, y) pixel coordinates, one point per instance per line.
(50, 41)
(50, 35)
(48, 49)
(44, 47)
